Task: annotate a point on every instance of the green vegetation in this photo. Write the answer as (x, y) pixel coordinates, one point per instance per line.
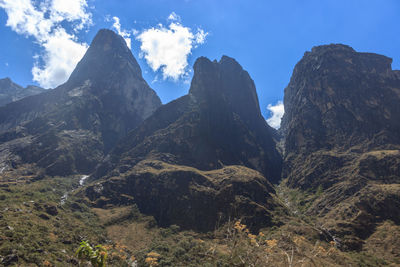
(36, 229)
(97, 256)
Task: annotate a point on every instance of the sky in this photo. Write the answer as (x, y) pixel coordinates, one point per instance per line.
(42, 40)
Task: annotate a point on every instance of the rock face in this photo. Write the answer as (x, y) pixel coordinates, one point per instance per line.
(218, 123)
(342, 132)
(68, 129)
(201, 135)
(189, 197)
(10, 91)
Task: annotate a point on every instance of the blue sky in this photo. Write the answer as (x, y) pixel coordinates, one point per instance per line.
(266, 37)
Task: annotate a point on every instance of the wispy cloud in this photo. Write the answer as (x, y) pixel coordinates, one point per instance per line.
(45, 21)
(124, 33)
(276, 114)
(166, 48)
(174, 17)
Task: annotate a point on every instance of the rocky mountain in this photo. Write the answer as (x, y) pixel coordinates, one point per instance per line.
(69, 129)
(10, 91)
(200, 159)
(240, 192)
(342, 134)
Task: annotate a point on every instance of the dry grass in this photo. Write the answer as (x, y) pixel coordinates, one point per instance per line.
(134, 235)
(385, 242)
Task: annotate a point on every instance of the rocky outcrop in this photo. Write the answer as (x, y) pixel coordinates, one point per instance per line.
(70, 128)
(10, 91)
(342, 133)
(214, 155)
(189, 197)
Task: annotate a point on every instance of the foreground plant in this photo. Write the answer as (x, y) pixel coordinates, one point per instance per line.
(97, 256)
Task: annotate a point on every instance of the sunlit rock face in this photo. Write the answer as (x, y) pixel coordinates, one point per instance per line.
(70, 128)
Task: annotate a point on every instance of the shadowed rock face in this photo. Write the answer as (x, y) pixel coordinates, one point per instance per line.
(342, 132)
(68, 129)
(10, 91)
(188, 197)
(217, 125)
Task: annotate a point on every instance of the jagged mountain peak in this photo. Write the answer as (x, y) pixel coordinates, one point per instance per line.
(225, 81)
(107, 56)
(332, 47)
(104, 98)
(339, 57)
(217, 128)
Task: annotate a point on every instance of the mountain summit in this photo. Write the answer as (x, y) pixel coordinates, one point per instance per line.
(107, 54)
(68, 129)
(209, 154)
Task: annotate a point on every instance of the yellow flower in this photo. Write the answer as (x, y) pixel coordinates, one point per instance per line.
(271, 243)
(153, 254)
(46, 263)
(332, 243)
(238, 226)
(253, 241)
(321, 250)
(298, 240)
(261, 234)
(151, 261)
(252, 236)
(133, 258)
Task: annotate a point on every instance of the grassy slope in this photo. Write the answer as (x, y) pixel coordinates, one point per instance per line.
(36, 237)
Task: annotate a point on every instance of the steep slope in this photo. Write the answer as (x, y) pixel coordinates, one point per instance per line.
(342, 134)
(217, 125)
(69, 128)
(10, 91)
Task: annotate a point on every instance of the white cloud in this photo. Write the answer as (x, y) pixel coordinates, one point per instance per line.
(125, 34)
(276, 112)
(174, 17)
(71, 10)
(200, 36)
(62, 52)
(167, 48)
(44, 21)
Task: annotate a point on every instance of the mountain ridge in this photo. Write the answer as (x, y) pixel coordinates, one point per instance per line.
(72, 126)
(11, 92)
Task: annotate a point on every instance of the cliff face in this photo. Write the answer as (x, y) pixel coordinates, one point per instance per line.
(190, 145)
(10, 91)
(69, 128)
(338, 98)
(342, 133)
